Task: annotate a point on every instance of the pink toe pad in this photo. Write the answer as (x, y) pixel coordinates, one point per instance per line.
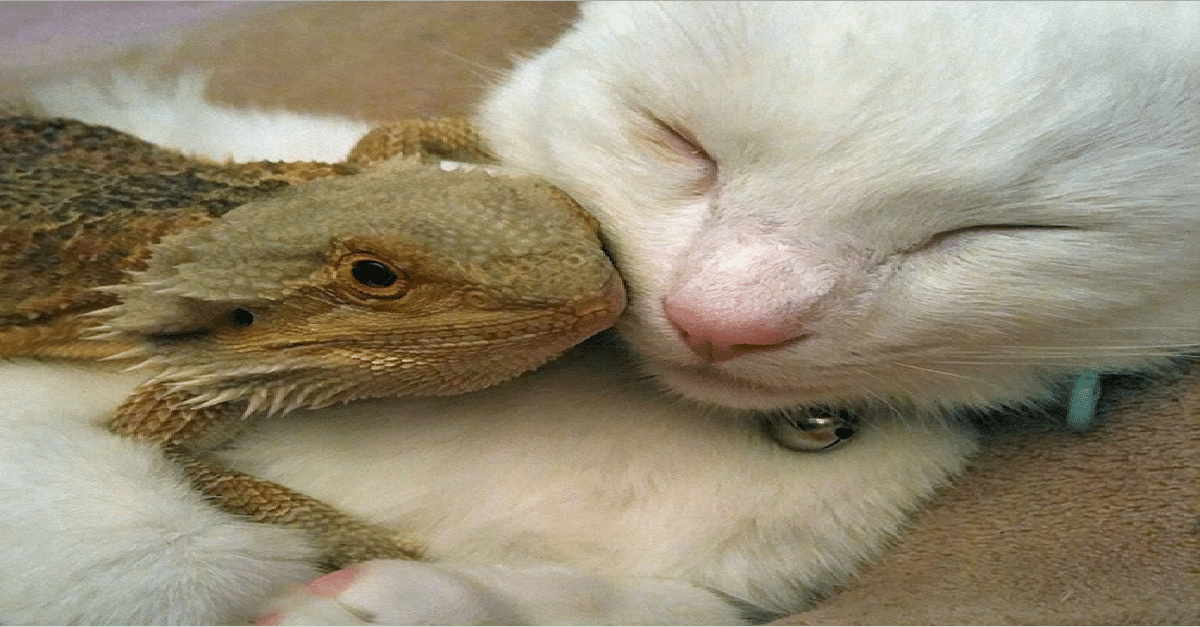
(334, 583)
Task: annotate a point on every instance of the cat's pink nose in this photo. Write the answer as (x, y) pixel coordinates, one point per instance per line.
(720, 338)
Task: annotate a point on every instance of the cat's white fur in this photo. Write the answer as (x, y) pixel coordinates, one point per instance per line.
(906, 208)
(177, 115)
(946, 203)
(578, 494)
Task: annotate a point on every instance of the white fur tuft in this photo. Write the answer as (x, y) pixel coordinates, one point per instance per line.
(178, 116)
(101, 530)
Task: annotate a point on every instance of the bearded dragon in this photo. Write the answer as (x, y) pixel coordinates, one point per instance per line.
(262, 288)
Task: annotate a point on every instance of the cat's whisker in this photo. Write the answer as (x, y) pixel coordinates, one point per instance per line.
(866, 373)
(1093, 347)
(1063, 355)
(884, 401)
(1035, 360)
(910, 417)
(1172, 348)
(939, 372)
(1190, 329)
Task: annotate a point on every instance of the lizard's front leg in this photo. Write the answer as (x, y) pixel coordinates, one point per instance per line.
(157, 415)
(453, 139)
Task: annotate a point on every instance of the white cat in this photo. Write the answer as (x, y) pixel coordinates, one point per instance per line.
(951, 204)
(903, 209)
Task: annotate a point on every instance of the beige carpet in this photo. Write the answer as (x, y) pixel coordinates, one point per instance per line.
(371, 60)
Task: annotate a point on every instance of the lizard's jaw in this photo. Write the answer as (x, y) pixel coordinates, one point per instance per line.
(314, 372)
(599, 312)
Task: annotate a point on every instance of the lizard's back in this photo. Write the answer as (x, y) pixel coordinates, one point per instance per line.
(80, 205)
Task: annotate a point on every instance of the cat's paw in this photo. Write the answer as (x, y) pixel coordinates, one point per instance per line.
(393, 592)
(388, 592)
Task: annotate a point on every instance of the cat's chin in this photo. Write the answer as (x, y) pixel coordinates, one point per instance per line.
(712, 387)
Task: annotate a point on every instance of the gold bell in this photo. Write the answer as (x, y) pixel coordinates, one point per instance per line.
(815, 429)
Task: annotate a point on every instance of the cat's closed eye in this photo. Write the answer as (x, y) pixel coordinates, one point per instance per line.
(951, 237)
(681, 144)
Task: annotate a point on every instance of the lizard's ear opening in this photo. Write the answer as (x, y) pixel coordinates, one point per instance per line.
(372, 276)
(198, 320)
(163, 317)
(242, 317)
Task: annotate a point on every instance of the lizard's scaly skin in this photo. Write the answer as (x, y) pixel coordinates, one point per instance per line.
(444, 138)
(244, 286)
(80, 206)
(345, 539)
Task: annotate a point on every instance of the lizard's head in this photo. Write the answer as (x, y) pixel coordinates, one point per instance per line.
(398, 280)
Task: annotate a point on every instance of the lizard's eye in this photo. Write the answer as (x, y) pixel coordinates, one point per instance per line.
(373, 277)
(373, 273)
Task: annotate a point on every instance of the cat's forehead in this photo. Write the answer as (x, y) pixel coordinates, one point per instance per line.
(900, 76)
(857, 113)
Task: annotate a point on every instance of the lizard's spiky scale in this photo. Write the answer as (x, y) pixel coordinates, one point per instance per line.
(160, 415)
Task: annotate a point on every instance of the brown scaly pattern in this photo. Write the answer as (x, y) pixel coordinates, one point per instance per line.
(444, 138)
(344, 538)
(80, 207)
(152, 415)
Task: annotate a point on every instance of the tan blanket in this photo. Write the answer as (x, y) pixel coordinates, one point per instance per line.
(1049, 528)
(1055, 528)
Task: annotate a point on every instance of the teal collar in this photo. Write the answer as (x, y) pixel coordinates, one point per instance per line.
(1081, 406)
